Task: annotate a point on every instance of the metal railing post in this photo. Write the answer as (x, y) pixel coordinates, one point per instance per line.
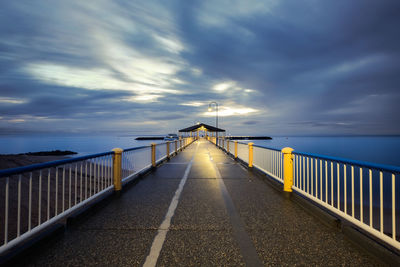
(227, 146)
(153, 154)
(176, 146)
(250, 155)
(236, 149)
(287, 169)
(117, 167)
(168, 149)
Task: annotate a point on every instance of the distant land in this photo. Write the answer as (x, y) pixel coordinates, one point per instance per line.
(50, 153)
(141, 138)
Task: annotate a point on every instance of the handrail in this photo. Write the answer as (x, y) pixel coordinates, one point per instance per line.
(270, 148)
(33, 167)
(366, 164)
(136, 148)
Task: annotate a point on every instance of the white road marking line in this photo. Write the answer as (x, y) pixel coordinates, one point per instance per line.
(158, 242)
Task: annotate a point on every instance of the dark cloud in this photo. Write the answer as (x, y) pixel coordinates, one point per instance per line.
(309, 67)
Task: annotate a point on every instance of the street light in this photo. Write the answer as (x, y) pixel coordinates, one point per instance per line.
(216, 117)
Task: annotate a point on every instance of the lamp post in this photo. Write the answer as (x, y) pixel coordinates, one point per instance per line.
(216, 117)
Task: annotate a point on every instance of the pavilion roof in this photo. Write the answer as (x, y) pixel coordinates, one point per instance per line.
(202, 126)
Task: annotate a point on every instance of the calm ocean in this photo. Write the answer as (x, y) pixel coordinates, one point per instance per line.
(378, 149)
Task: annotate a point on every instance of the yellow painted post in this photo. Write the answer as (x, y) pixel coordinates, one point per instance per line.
(176, 146)
(153, 154)
(236, 149)
(250, 154)
(168, 149)
(117, 167)
(287, 169)
(227, 146)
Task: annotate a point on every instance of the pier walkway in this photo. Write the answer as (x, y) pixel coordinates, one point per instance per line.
(201, 208)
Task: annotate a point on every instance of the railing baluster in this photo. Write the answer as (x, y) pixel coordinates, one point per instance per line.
(86, 180)
(98, 175)
(370, 198)
(40, 197)
(381, 199)
(19, 206)
(320, 179)
(110, 170)
(90, 178)
(63, 189)
(308, 175)
(104, 174)
(332, 202)
(80, 183)
(76, 184)
(326, 182)
(56, 193)
(272, 161)
(6, 211)
(297, 170)
(316, 178)
(48, 194)
(312, 177)
(352, 191)
(304, 174)
(338, 185)
(345, 187)
(30, 203)
(361, 197)
(69, 186)
(393, 207)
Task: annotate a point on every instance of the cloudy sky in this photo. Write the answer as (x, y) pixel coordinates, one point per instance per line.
(135, 67)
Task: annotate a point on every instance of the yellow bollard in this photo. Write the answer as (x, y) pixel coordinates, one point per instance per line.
(287, 169)
(168, 149)
(117, 167)
(250, 154)
(236, 149)
(153, 154)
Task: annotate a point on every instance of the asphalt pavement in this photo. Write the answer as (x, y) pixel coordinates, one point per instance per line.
(225, 215)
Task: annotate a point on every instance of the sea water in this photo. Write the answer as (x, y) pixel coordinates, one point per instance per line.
(377, 149)
(83, 145)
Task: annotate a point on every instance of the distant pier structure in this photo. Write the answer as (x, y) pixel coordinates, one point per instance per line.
(201, 130)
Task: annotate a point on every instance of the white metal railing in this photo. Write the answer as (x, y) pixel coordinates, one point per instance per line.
(269, 161)
(34, 197)
(161, 152)
(134, 161)
(360, 192)
(243, 152)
